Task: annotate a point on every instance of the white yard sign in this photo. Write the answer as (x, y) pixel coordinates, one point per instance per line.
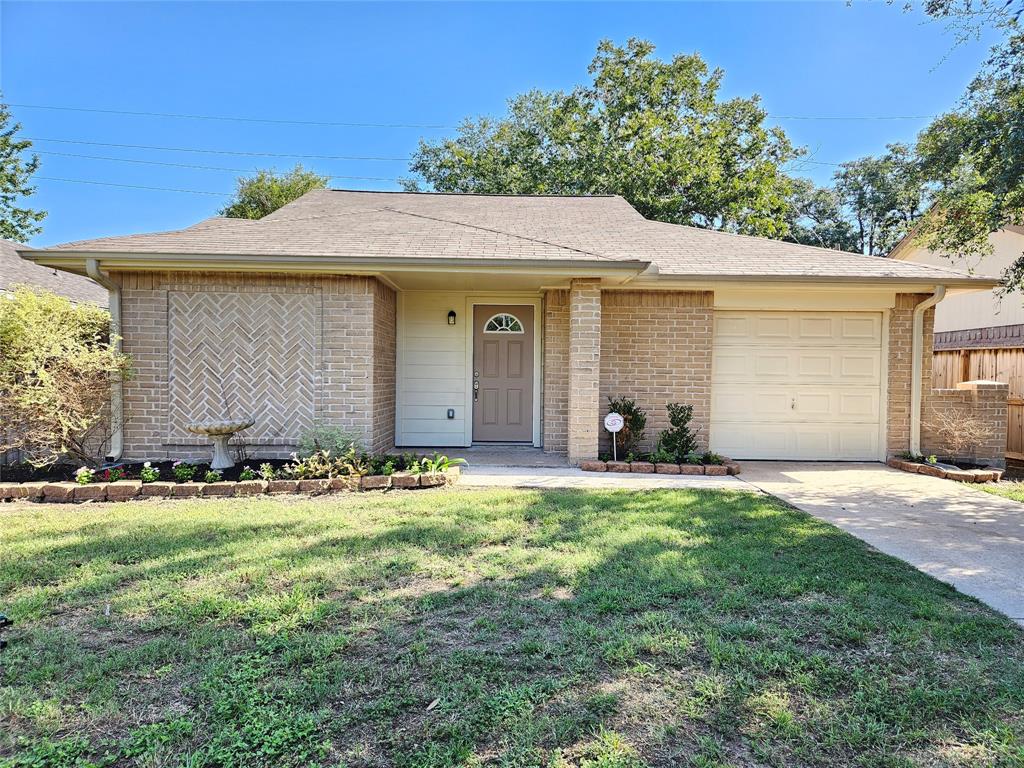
(614, 422)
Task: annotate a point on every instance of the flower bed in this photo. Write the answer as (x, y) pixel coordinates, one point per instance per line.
(726, 467)
(318, 473)
(124, 490)
(948, 471)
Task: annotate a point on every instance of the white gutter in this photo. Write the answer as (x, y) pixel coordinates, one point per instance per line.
(916, 363)
(92, 268)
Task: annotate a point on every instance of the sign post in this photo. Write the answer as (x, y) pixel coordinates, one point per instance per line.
(614, 422)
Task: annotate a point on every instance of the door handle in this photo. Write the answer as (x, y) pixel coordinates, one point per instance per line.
(476, 391)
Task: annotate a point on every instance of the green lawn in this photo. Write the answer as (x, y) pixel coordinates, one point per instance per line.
(1009, 490)
(498, 628)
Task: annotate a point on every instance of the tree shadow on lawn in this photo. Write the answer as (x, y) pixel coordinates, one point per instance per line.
(506, 628)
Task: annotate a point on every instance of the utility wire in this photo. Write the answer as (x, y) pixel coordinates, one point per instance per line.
(236, 119)
(220, 151)
(132, 186)
(194, 167)
(428, 126)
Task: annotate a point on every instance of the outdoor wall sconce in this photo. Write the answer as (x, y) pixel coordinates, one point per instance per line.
(451, 317)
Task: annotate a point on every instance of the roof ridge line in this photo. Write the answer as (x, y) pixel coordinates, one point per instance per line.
(502, 232)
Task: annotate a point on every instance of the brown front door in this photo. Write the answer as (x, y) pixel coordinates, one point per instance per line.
(502, 373)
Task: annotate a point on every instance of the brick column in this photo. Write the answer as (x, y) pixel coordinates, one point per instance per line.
(584, 369)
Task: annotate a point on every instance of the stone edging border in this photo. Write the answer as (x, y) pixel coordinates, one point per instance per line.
(728, 467)
(986, 475)
(128, 490)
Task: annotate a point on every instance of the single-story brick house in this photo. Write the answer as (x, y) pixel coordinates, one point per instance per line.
(430, 320)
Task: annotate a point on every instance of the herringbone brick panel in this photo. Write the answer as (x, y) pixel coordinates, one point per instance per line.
(242, 354)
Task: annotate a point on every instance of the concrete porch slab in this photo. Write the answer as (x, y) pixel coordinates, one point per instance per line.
(497, 455)
(484, 476)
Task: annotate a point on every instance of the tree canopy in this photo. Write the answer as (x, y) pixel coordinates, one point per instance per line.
(262, 194)
(16, 222)
(655, 132)
(975, 158)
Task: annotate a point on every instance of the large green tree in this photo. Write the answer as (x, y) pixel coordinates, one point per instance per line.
(882, 197)
(817, 217)
(262, 194)
(870, 206)
(975, 157)
(16, 222)
(655, 132)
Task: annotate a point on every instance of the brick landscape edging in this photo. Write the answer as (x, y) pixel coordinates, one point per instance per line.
(127, 490)
(728, 467)
(984, 475)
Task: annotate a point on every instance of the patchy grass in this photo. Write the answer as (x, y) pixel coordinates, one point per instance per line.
(1008, 490)
(505, 628)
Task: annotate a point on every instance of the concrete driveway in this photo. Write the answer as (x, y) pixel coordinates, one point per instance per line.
(963, 536)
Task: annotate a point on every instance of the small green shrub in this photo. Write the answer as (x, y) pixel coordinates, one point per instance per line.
(438, 463)
(634, 420)
(113, 474)
(212, 476)
(317, 466)
(679, 439)
(267, 471)
(334, 440)
(183, 471)
(247, 473)
(712, 458)
(149, 473)
(84, 475)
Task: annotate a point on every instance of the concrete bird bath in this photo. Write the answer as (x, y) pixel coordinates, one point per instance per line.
(220, 432)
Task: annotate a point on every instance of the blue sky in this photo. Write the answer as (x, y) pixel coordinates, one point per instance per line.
(412, 63)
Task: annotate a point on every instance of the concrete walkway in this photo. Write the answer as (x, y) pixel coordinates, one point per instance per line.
(484, 476)
(963, 536)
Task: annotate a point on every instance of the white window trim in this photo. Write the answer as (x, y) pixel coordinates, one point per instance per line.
(493, 318)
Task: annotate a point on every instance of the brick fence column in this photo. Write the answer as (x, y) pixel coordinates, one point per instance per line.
(584, 368)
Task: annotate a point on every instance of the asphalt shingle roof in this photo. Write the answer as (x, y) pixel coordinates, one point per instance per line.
(15, 270)
(347, 224)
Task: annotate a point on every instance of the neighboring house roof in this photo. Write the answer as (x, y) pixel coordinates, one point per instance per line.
(15, 270)
(349, 225)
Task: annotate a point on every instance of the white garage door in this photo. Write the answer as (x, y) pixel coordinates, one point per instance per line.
(797, 385)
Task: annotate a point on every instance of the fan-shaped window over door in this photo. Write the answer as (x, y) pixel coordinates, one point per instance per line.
(503, 323)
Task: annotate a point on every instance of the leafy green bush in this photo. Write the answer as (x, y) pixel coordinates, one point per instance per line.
(679, 440)
(183, 471)
(634, 420)
(247, 473)
(149, 473)
(212, 476)
(57, 365)
(267, 471)
(334, 440)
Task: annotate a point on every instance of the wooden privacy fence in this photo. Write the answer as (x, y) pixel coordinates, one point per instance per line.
(950, 367)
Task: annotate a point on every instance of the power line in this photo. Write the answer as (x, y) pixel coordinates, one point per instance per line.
(133, 186)
(352, 124)
(222, 151)
(852, 117)
(274, 121)
(195, 167)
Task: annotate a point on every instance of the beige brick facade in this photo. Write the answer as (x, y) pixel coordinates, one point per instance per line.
(584, 369)
(978, 399)
(555, 413)
(656, 349)
(981, 400)
(290, 350)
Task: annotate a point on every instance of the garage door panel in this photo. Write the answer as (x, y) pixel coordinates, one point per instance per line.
(799, 365)
(799, 441)
(801, 328)
(795, 404)
(798, 385)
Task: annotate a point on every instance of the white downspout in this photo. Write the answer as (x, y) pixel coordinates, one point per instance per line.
(916, 351)
(92, 268)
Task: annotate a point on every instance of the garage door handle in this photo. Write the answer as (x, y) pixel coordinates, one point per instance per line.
(792, 404)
